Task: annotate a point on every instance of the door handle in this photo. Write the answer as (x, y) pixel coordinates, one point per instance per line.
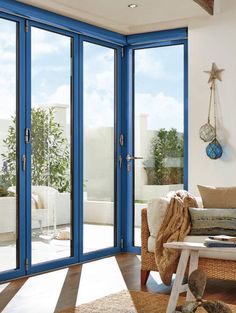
(131, 157)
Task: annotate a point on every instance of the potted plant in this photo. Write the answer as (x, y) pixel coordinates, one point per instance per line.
(50, 158)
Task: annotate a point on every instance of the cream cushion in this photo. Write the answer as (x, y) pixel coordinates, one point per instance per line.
(155, 214)
(218, 197)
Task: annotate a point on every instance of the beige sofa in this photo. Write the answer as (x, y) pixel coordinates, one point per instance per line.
(221, 266)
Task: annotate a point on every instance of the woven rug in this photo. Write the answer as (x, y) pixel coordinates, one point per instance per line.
(129, 302)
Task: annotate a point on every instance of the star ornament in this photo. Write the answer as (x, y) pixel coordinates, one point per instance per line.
(214, 73)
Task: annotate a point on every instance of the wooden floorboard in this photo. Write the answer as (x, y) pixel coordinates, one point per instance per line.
(57, 290)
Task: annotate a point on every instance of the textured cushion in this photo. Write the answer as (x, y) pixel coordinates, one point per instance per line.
(213, 221)
(218, 197)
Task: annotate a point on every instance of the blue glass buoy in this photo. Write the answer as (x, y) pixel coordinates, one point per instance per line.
(214, 150)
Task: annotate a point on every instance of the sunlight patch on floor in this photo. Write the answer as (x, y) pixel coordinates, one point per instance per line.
(3, 286)
(98, 279)
(38, 294)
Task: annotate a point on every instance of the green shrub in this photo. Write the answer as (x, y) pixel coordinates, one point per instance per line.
(165, 145)
(50, 154)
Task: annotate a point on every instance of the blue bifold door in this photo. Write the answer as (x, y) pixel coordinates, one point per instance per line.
(90, 132)
(59, 173)
(101, 166)
(157, 149)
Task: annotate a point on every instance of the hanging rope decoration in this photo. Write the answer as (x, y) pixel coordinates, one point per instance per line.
(208, 132)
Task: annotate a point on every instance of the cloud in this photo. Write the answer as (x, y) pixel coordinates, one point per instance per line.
(7, 103)
(98, 68)
(61, 95)
(104, 81)
(98, 110)
(98, 86)
(162, 110)
(46, 42)
(148, 64)
(7, 71)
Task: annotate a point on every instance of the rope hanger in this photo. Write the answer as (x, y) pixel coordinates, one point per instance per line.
(208, 132)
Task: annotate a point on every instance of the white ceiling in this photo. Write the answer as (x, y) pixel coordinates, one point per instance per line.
(115, 15)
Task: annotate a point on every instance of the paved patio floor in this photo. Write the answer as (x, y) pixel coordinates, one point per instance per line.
(46, 248)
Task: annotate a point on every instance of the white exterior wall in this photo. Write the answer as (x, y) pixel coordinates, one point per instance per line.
(99, 163)
(213, 40)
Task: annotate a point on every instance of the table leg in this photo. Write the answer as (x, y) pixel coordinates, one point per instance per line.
(193, 265)
(176, 289)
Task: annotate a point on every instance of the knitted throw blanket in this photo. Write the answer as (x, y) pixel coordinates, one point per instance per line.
(175, 226)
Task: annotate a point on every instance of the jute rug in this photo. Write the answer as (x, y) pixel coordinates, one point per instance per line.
(129, 302)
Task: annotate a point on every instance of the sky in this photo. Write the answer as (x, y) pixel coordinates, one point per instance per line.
(98, 86)
(158, 79)
(159, 86)
(50, 73)
(7, 69)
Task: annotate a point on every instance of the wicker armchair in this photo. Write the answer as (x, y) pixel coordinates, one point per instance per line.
(214, 268)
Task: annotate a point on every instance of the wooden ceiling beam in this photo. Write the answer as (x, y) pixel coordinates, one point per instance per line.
(207, 5)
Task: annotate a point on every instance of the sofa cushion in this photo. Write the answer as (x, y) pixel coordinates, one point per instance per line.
(222, 256)
(218, 197)
(156, 212)
(213, 221)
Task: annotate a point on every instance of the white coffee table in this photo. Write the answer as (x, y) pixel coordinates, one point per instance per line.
(188, 250)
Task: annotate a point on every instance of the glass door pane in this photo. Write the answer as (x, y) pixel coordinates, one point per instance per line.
(158, 125)
(51, 145)
(8, 147)
(99, 143)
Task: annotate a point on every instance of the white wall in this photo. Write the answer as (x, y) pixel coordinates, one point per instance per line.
(213, 40)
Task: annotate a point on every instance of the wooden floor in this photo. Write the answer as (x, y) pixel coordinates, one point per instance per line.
(54, 291)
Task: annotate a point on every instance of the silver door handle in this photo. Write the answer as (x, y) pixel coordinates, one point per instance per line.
(131, 157)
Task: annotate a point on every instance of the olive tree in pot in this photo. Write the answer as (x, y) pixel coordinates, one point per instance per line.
(50, 154)
(164, 165)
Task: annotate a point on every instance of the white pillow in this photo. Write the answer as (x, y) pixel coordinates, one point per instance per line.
(155, 214)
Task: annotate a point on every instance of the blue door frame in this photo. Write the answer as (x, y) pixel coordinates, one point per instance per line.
(74, 152)
(118, 102)
(20, 117)
(124, 47)
(144, 41)
(77, 152)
